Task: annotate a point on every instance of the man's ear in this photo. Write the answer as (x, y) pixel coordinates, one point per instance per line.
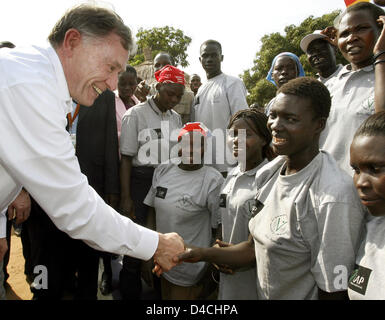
(222, 58)
(72, 39)
(158, 86)
(321, 124)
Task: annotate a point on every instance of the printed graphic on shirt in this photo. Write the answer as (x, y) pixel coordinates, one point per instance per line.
(161, 192)
(257, 207)
(367, 107)
(222, 200)
(248, 208)
(158, 133)
(278, 225)
(185, 202)
(359, 280)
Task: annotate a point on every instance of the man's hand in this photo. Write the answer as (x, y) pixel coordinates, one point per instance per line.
(3, 248)
(20, 208)
(380, 44)
(331, 33)
(142, 90)
(169, 246)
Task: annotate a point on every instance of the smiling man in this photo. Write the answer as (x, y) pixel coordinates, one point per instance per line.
(321, 55)
(89, 46)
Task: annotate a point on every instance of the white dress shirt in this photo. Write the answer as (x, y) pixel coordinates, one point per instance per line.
(36, 152)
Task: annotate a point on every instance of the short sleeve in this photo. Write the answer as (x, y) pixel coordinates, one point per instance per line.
(335, 243)
(129, 143)
(236, 94)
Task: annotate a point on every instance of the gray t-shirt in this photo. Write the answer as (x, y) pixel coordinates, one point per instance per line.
(215, 102)
(149, 135)
(308, 229)
(186, 202)
(368, 280)
(237, 199)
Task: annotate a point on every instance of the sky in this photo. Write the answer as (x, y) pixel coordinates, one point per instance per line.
(237, 25)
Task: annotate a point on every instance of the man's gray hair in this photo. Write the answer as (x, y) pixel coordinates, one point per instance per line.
(92, 21)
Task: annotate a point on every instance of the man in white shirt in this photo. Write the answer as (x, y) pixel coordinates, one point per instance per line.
(89, 46)
(217, 100)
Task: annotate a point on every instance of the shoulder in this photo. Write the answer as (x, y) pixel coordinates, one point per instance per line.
(26, 65)
(334, 184)
(213, 175)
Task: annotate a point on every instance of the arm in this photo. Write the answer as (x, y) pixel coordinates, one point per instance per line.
(379, 71)
(126, 203)
(236, 256)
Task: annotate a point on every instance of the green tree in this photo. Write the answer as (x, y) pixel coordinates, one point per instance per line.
(167, 39)
(261, 90)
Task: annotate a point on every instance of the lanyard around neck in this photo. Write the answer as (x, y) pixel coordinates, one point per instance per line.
(71, 118)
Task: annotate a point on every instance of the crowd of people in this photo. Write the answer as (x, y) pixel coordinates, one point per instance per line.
(203, 196)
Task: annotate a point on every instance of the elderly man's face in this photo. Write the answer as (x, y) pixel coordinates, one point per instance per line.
(94, 66)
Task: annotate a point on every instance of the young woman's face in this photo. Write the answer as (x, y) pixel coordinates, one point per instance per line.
(192, 148)
(251, 147)
(367, 158)
(285, 69)
(357, 34)
(127, 84)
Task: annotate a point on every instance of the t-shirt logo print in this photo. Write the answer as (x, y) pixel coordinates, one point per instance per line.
(185, 201)
(278, 225)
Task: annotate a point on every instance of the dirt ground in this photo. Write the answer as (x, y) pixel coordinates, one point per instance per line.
(17, 288)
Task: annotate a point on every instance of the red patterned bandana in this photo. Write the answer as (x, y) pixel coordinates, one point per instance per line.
(170, 74)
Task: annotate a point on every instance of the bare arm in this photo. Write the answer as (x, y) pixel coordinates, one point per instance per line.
(379, 71)
(236, 256)
(126, 204)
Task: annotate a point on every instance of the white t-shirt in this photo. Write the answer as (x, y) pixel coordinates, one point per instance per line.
(368, 280)
(36, 152)
(149, 135)
(186, 202)
(214, 104)
(308, 229)
(352, 95)
(237, 200)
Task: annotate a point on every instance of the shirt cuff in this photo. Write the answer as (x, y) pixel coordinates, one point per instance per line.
(147, 244)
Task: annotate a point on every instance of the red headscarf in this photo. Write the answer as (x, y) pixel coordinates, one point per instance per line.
(194, 126)
(170, 74)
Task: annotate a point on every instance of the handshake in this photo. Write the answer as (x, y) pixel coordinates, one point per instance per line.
(171, 251)
(170, 245)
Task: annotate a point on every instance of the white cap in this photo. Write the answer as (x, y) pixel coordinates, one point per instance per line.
(309, 38)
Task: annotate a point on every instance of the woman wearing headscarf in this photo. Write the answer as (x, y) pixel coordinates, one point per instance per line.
(285, 67)
(146, 128)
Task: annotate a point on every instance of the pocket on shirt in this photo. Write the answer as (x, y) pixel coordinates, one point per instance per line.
(367, 107)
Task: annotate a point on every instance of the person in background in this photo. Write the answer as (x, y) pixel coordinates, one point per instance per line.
(321, 54)
(125, 99)
(307, 218)
(367, 158)
(143, 90)
(195, 83)
(217, 100)
(284, 67)
(252, 148)
(185, 199)
(142, 128)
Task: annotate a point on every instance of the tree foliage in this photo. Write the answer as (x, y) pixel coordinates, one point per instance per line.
(261, 90)
(167, 39)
